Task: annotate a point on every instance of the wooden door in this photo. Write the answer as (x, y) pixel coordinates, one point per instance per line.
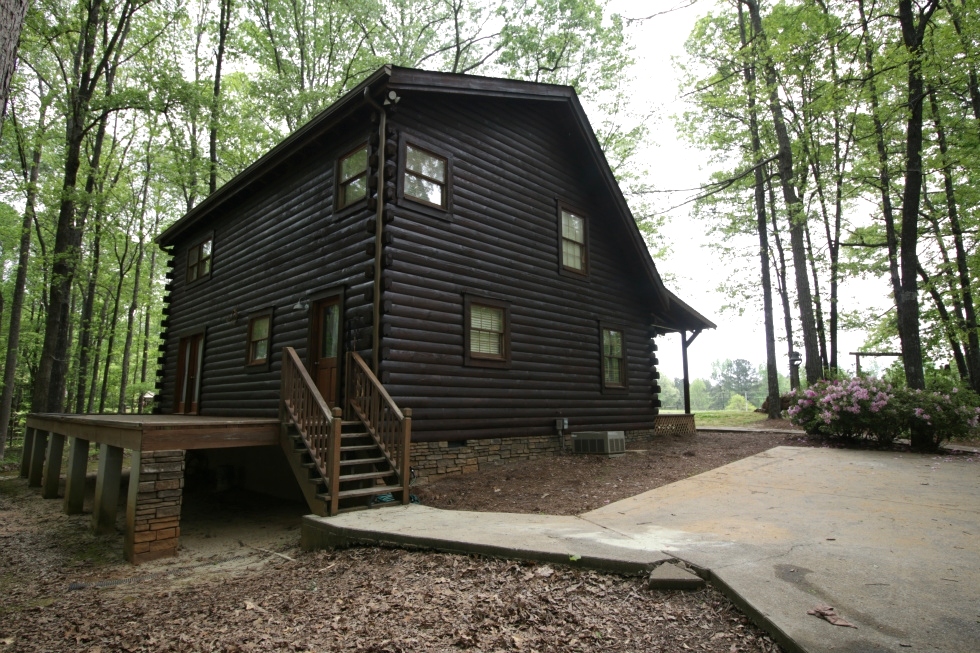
(190, 355)
(326, 349)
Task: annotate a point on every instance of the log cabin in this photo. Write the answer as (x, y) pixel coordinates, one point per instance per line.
(438, 271)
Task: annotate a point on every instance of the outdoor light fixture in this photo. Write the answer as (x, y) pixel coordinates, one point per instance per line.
(795, 359)
(301, 303)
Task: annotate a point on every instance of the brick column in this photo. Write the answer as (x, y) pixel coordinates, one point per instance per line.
(153, 506)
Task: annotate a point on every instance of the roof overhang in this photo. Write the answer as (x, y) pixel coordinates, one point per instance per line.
(679, 317)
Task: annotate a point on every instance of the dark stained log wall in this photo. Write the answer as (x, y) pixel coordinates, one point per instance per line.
(512, 163)
(278, 243)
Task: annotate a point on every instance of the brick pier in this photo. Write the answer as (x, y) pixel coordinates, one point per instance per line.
(153, 507)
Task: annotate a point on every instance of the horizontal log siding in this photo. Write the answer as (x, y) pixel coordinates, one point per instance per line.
(271, 246)
(512, 161)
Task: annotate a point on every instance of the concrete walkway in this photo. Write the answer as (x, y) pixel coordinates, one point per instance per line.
(892, 541)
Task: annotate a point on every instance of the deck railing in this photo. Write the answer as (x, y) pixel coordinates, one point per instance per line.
(390, 426)
(317, 423)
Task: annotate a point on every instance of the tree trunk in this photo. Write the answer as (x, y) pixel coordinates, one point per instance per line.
(962, 269)
(12, 13)
(772, 375)
(907, 304)
(20, 284)
(123, 270)
(88, 308)
(97, 359)
(947, 321)
(134, 302)
(224, 22)
(794, 370)
(794, 208)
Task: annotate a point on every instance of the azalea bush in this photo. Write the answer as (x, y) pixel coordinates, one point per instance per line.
(868, 408)
(861, 407)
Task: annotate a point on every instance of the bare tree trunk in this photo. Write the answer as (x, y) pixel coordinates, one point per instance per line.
(88, 308)
(97, 360)
(817, 307)
(794, 370)
(12, 13)
(123, 270)
(772, 374)
(947, 321)
(134, 302)
(30, 173)
(794, 208)
(970, 321)
(224, 22)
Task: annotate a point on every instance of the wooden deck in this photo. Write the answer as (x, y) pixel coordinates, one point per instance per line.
(161, 432)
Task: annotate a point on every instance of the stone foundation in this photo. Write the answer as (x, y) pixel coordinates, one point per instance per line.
(431, 459)
(153, 507)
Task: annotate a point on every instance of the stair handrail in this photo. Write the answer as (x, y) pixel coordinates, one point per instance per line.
(317, 423)
(389, 425)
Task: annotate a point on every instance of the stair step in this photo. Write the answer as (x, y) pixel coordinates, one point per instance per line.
(365, 476)
(364, 461)
(354, 436)
(358, 447)
(361, 492)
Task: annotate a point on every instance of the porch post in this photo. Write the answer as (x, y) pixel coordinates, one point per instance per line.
(35, 468)
(52, 466)
(107, 489)
(75, 475)
(685, 343)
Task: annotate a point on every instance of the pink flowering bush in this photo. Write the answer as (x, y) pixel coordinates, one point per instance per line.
(849, 408)
(934, 416)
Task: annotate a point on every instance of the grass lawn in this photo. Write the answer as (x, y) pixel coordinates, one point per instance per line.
(723, 417)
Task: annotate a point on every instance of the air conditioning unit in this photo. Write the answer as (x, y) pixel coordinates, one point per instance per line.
(608, 443)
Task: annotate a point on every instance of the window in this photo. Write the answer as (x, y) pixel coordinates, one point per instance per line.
(199, 261)
(613, 358)
(259, 339)
(573, 242)
(425, 177)
(487, 332)
(352, 177)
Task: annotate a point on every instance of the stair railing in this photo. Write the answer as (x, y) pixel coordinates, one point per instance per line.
(390, 426)
(316, 422)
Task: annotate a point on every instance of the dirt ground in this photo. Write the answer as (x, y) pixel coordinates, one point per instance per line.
(241, 583)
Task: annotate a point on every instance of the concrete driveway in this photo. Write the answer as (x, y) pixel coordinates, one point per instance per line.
(891, 541)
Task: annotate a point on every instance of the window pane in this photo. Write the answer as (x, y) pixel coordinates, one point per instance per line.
(260, 350)
(205, 266)
(425, 164)
(192, 255)
(260, 328)
(354, 190)
(422, 189)
(487, 318)
(353, 164)
(486, 330)
(572, 255)
(206, 249)
(614, 371)
(572, 227)
(612, 343)
(330, 324)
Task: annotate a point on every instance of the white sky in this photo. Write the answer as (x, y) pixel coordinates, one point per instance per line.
(673, 164)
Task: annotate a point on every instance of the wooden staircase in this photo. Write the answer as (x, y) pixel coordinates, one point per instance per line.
(343, 465)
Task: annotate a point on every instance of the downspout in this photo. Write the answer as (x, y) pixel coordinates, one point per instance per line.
(378, 224)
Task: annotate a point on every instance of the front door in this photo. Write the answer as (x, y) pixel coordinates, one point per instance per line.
(190, 355)
(326, 345)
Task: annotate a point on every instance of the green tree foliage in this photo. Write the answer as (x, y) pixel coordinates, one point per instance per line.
(124, 114)
(882, 111)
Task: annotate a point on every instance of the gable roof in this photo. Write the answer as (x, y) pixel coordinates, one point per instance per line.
(396, 78)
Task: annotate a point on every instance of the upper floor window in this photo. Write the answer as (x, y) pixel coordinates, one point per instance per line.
(573, 242)
(425, 177)
(352, 177)
(487, 332)
(613, 358)
(199, 261)
(259, 339)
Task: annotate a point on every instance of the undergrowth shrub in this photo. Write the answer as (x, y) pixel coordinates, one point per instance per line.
(868, 408)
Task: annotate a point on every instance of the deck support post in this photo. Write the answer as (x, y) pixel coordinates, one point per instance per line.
(35, 469)
(75, 476)
(52, 466)
(107, 489)
(25, 454)
(156, 482)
